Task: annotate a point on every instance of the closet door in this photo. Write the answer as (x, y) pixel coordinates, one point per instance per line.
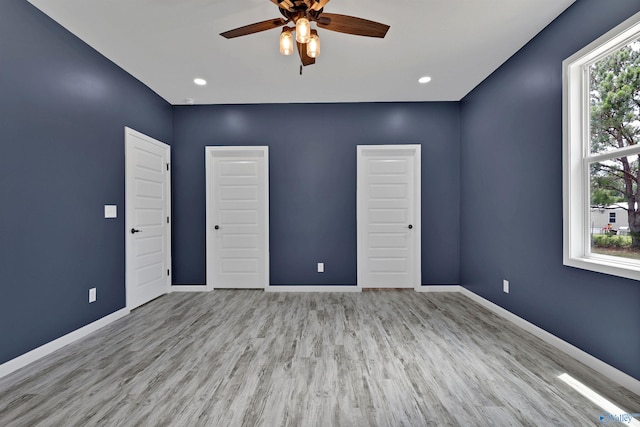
(237, 217)
(389, 216)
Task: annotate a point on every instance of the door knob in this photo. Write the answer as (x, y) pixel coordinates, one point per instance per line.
(134, 231)
(217, 227)
(410, 226)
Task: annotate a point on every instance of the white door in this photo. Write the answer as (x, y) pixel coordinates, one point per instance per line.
(147, 218)
(388, 211)
(237, 217)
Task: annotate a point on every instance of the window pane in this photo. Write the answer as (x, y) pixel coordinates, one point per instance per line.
(615, 229)
(614, 99)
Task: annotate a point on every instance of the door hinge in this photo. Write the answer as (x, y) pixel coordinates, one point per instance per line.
(167, 220)
(167, 166)
(168, 272)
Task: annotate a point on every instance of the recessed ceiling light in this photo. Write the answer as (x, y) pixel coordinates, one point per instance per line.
(200, 82)
(425, 79)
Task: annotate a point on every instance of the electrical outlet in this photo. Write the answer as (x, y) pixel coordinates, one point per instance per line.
(505, 286)
(92, 295)
(321, 267)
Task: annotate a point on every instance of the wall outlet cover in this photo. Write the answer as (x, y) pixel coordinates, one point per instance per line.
(321, 267)
(505, 286)
(110, 211)
(92, 295)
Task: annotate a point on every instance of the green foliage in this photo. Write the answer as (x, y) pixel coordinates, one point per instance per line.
(611, 241)
(604, 192)
(615, 98)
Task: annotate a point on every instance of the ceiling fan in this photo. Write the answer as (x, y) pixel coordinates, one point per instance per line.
(302, 13)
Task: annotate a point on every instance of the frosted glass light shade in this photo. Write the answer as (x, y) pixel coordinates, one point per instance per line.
(303, 30)
(313, 46)
(286, 43)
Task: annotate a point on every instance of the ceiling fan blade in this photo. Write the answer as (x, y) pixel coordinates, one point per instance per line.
(352, 25)
(254, 28)
(319, 4)
(304, 58)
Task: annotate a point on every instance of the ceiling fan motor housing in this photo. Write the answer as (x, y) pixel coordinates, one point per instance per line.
(299, 11)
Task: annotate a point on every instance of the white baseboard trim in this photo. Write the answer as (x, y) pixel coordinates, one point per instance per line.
(189, 288)
(313, 288)
(48, 348)
(443, 288)
(594, 363)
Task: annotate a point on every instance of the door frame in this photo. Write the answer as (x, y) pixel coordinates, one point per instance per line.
(210, 152)
(128, 216)
(415, 151)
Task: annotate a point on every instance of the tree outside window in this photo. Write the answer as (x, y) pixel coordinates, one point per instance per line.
(614, 166)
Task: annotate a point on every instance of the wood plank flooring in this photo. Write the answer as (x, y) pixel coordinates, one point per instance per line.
(250, 358)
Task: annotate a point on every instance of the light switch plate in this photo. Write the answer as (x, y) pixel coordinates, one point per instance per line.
(505, 286)
(110, 211)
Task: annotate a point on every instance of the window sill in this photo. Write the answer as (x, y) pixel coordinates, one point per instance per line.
(606, 265)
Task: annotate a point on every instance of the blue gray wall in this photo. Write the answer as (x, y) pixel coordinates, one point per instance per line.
(312, 151)
(62, 115)
(495, 157)
(511, 227)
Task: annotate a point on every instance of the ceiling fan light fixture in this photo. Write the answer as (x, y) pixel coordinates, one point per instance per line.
(301, 13)
(424, 80)
(286, 42)
(313, 46)
(303, 30)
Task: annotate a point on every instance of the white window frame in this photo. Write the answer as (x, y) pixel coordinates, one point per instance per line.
(577, 156)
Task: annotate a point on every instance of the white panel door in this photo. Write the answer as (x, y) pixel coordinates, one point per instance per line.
(147, 211)
(237, 217)
(389, 216)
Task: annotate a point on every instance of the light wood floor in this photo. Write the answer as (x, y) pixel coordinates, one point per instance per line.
(245, 358)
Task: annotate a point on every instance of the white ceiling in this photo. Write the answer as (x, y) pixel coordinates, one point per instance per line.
(167, 43)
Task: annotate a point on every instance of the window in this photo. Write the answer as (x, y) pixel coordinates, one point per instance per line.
(601, 153)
